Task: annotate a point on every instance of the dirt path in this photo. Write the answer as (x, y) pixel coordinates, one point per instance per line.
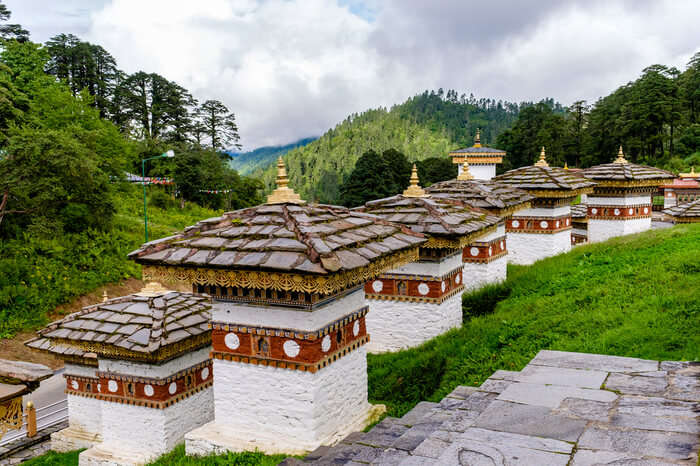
(13, 348)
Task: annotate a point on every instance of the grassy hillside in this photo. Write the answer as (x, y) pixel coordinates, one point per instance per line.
(41, 273)
(247, 162)
(632, 296)
(427, 125)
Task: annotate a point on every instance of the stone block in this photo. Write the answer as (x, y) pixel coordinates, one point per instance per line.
(431, 447)
(530, 420)
(580, 378)
(418, 412)
(494, 385)
(685, 387)
(418, 461)
(414, 436)
(513, 376)
(636, 384)
(667, 445)
(585, 409)
(598, 457)
(598, 362)
(390, 457)
(551, 396)
(461, 392)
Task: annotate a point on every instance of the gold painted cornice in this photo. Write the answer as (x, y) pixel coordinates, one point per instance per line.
(436, 242)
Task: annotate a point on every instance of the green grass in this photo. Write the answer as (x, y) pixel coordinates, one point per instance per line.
(39, 273)
(55, 459)
(177, 458)
(635, 296)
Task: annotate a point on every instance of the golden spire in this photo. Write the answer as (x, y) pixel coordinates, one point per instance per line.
(152, 289)
(542, 162)
(283, 194)
(105, 298)
(692, 174)
(566, 165)
(413, 189)
(620, 157)
(477, 138)
(465, 175)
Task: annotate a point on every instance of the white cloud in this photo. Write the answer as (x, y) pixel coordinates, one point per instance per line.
(294, 68)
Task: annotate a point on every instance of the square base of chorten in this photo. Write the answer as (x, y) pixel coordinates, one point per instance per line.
(73, 438)
(528, 248)
(113, 455)
(395, 325)
(478, 274)
(602, 230)
(218, 438)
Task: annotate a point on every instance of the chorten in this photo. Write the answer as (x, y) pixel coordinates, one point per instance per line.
(288, 319)
(138, 374)
(579, 224)
(496, 198)
(422, 299)
(621, 201)
(685, 213)
(482, 159)
(684, 189)
(544, 229)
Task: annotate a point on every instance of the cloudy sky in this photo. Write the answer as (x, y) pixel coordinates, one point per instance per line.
(294, 68)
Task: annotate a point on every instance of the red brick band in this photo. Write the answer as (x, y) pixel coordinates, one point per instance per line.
(542, 225)
(289, 348)
(415, 287)
(485, 251)
(607, 212)
(142, 391)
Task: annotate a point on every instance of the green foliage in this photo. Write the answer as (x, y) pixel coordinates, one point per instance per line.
(247, 162)
(588, 300)
(484, 300)
(39, 272)
(375, 177)
(435, 169)
(53, 458)
(178, 458)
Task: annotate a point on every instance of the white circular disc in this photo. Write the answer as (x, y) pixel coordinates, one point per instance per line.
(423, 289)
(99, 387)
(567, 221)
(503, 244)
(443, 286)
(377, 286)
(594, 211)
(148, 390)
(356, 328)
(458, 278)
(112, 386)
(205, 373)
(631, 211)
(646, 210)
(231, 341)
(474, 251)
(291, 348)
(325, 344)
(172, 388)
(516, 224)
(557, 224)
(74, 384)
(544, 224)
(617, 211)
(490, 251)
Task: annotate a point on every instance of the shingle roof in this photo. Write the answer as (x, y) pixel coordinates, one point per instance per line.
(689, 212)
(479, 151)
(495, 197)
(433, 217)
(142, 323)
(544, 178)
(579, 211)
(307, 239)
(626, 172)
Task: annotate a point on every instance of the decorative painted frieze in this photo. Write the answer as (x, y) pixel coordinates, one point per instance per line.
(603, 212)
(538, 225)
(415, 288)
(485, 251)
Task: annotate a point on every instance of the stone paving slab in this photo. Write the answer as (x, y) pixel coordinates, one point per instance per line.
(585, 409)
(562, 376)
(417, 413)
(636, 384)
(523, 419)
(667, 445)
(550, 396)
(597, 362)
(598, 458)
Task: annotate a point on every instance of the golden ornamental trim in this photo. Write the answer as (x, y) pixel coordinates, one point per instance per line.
(322, 284)
(686, 219)
(508, 211)
(475, 158)
(630, 183)
(435, 242)
(10, 415)
(557, 193)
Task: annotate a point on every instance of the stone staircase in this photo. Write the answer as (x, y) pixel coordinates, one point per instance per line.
(562, 409)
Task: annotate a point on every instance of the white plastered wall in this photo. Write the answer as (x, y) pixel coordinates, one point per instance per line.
(601, 230)
(527, 248)
(146, 433)
(622, 201)
(396, 325)
(550, 212)
(480, 172)
(152, 370)
(277, 410)
(477, 275)
(432, 269)
(84, 417)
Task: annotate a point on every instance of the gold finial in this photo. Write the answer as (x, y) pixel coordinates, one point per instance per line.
(620, 157)
(283, 194)
(477, 138)
(414, 190)
(105, 298)
(692, 174)
(465, 175)
(566, 165)
(542, 162)
(152, 289)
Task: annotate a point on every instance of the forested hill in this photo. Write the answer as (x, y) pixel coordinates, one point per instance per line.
(247, 162)
(427, 125)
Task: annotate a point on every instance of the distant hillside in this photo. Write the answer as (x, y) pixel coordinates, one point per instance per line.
(246, 162)
(427, 125)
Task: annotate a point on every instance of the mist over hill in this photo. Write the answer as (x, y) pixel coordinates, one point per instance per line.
(247, 162)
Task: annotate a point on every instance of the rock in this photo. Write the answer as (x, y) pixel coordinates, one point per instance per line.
(597, 362)
(670, 446)
(636, 385)
(599, 458)
(563, 376)
(550, 396)
(418, 412)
